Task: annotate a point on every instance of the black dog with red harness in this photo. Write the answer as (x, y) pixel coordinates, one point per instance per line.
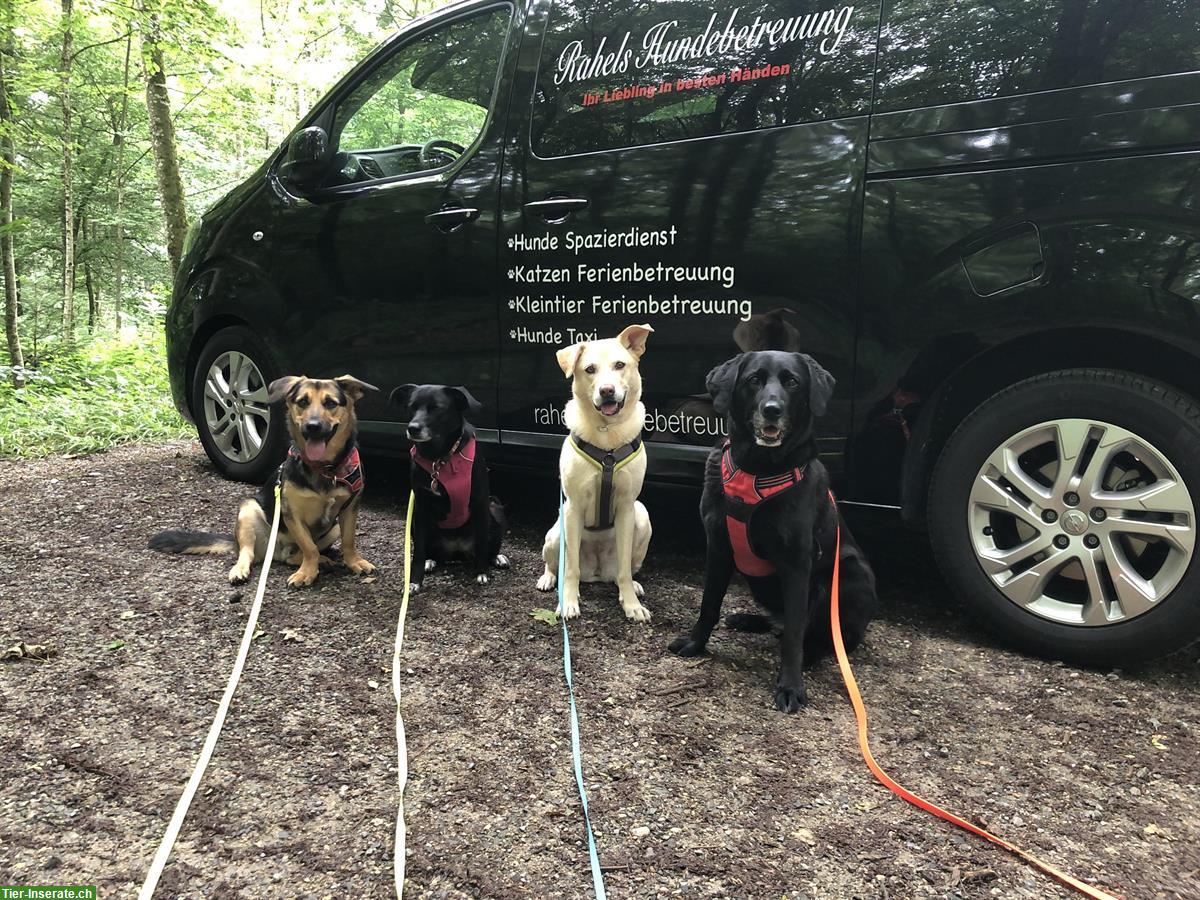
(454, 515)
(768, 512)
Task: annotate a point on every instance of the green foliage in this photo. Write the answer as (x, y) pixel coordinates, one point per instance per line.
(240, 75)
(114, 391)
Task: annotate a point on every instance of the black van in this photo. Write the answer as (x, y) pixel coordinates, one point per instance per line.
(982, 216)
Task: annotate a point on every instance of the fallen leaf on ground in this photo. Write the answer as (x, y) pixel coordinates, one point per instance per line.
(549, 616)
(1159, 741)
(373, 685)
(290, 634)
(114, 645)
(129, 614)
(23, 650)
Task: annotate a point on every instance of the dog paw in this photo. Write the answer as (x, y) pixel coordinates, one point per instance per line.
(569, 609)
(239, 574)
(303, 577)
(501, 561)
(482, 579)
(685, 646)
(360, 566)
(638, 589)
(635, 612)
(430, 565)
(414, 588)
(789, 698)
(547, 581)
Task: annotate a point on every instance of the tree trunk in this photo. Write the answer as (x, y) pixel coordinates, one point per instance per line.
(87, 229)
(119, 236)
(68, 223)
(162, 139)
(8, 156)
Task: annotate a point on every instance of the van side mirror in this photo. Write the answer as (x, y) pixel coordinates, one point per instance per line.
(308, 156)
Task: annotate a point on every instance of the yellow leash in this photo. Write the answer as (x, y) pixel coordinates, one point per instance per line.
(401, 743)
(214, 731)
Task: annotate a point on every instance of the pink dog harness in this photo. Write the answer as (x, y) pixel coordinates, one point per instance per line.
(452, 474)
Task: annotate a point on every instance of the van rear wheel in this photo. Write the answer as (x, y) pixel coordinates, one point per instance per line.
(242, 435)
(1063, 512)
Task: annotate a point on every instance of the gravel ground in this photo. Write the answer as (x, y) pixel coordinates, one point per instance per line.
(699, 788)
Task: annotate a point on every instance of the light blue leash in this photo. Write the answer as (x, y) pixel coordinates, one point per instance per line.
(597, 875)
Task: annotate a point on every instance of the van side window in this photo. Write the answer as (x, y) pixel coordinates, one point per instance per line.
(425, 104)
(625, 72)
(934, 53)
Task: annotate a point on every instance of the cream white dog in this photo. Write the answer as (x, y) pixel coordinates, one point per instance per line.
(608, 529)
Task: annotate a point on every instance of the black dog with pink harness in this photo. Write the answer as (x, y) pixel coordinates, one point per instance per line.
(454, 516)
(768, 513)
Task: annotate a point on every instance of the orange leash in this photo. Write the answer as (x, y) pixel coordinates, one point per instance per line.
(860, 713)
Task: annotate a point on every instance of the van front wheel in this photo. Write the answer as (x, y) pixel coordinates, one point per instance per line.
(1063, 512)
(242, 435)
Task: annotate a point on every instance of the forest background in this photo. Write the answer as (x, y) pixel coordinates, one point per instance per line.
(121, 121)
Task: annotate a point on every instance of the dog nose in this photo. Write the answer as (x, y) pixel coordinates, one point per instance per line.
(772, 409)
(313, 426)
(414, 430)
(607, 390)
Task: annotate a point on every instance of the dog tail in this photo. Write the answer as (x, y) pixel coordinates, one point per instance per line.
(194, 542)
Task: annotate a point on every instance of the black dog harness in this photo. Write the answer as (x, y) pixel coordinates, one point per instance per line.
(609, 462)
(744, 495)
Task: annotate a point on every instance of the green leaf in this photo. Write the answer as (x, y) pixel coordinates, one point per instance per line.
(114, 645)
(549, 616)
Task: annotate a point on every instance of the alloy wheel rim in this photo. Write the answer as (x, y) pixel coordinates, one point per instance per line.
(236, 409)
(1081, 522)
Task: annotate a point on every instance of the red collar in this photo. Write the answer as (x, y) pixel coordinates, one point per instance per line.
(347, 473)
(753, 489)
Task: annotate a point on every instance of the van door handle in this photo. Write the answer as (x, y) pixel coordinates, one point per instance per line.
(450, 217)
(556, 209)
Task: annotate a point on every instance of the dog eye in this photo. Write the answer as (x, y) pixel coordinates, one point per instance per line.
(302, 403)
(618, 365)
(591, 370)
(330, 403)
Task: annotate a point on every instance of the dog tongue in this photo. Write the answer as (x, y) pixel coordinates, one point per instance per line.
(610, 407)
(314, 450)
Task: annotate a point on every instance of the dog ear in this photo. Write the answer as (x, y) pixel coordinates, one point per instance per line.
(281, 386)
(634, 337)
(568, 357)
(464, 401)
(721, 382)
(353, 386)
(820, 385)
(402, 395)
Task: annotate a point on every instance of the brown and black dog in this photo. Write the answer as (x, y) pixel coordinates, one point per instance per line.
(320, 481)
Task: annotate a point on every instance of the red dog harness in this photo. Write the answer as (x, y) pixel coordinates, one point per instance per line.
(451, 473)
(744, 493)
(347, 473)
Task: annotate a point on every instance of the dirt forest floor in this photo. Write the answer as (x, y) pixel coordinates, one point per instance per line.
(699, 788)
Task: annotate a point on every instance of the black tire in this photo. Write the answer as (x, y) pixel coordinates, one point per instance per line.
(259, 465)
(1168, 420)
